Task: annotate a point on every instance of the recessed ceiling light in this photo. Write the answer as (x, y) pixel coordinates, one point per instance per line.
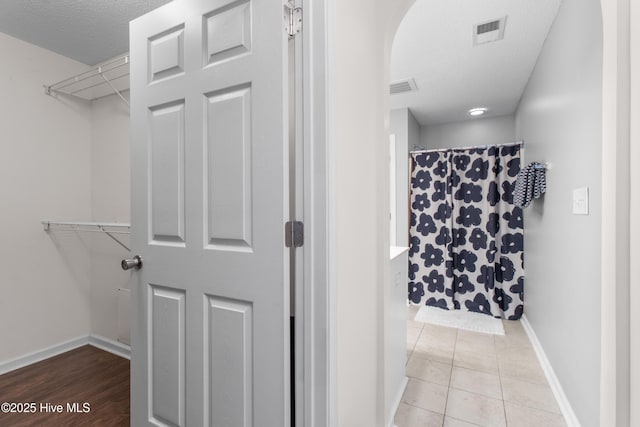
(477, 111)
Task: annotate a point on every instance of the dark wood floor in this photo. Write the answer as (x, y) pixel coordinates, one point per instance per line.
(86, 374)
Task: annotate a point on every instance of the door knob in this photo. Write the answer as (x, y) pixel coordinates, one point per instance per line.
(135, 262)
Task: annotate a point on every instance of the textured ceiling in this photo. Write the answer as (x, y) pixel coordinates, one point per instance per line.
(89, 31)
(434, 45)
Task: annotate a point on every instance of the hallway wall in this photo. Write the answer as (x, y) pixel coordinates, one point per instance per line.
(560, 118)
(360, 45)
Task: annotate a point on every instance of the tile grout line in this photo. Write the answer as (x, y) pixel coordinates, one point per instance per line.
(504, 406)
(413, 346)
(468, 422)
(446, 402)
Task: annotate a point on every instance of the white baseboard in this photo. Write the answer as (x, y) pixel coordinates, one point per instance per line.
(567, 411)
(115, 347)
(396, 401)
(43, 354)
(98, 341)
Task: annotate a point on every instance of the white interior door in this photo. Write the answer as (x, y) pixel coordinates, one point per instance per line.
(210, 338)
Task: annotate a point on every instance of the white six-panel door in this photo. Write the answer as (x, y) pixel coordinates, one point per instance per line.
(209, 203)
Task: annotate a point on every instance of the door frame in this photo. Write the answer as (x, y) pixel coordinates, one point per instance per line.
(634, 252)
(618, 206)
(313, 335)
(620, 319)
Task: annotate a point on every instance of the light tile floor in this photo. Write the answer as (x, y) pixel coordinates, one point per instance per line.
(459, 378)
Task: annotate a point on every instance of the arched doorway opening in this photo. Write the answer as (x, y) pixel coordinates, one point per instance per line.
(455, 72)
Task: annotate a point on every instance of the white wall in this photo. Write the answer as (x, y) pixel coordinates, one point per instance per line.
(110, 202)
(45, 173)
(62, 159)
(404, 126)
(560, 118)
(414, 132)
(481, 131)
(358, 155)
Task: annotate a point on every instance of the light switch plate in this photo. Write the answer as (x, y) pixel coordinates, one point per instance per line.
(581, 201)
(398, 278)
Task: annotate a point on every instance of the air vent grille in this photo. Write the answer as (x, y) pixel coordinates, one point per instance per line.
(401, 86)
(489, 26)
(489, 31)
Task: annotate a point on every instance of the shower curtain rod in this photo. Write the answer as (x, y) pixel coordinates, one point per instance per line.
(435, 150)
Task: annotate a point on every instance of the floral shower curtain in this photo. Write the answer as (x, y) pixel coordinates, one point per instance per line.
(466, 237)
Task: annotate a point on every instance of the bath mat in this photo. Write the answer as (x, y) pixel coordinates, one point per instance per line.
(467, 320)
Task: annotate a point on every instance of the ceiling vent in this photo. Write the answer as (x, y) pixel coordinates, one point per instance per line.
(489, 31)
(401, 86)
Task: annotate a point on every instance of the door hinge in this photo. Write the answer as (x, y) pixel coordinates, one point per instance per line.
(292, 20)
(293, 234)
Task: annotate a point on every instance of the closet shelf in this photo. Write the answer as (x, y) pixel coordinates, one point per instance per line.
(105, 79)
(110, 229)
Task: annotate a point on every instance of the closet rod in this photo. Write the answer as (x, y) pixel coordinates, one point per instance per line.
(436, 150)
(91, 227)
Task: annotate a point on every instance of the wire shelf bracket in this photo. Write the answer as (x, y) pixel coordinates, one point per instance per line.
(110, 229)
